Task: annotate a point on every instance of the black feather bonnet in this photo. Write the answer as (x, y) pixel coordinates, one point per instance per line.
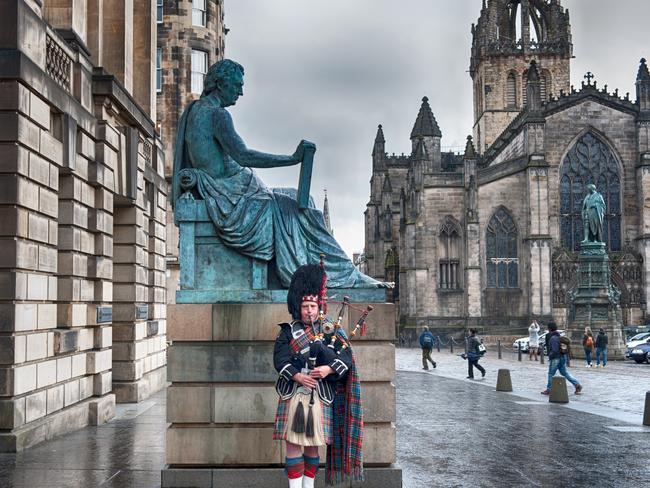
(307, 280)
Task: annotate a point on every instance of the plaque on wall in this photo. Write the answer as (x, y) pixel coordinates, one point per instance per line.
(141, 312)
(104, 314)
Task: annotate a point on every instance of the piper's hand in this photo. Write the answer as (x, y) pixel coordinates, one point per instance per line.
(305, 380)
(321, 372)
(299, 155)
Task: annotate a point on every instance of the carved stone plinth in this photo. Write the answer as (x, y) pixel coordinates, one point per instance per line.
(595, 302)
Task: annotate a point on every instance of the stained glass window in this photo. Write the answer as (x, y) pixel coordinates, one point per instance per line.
(589, 161)
(502, 260)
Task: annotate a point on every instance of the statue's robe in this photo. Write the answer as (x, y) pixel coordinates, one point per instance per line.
(266, 224)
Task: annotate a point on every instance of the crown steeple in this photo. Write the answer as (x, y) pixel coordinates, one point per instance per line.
(425, 124)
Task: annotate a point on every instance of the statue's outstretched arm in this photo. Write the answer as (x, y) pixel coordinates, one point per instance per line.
(236, 148)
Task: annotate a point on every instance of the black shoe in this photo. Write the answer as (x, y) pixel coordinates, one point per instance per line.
(470, 377)
(426, 369)
(483, 374)
(434, 364)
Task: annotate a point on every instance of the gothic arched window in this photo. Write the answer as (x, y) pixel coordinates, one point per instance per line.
(511, 91)
(502, 260)
(590, 160)
(449, 254)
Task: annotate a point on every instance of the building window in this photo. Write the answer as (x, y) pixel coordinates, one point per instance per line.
(159, 11)
(511, 91)
(199, 12)
(449, 260)
(199, 69)
(589, 161)
(159, 69)
(501, 251)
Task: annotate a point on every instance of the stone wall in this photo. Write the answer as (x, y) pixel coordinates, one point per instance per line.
(75, 147)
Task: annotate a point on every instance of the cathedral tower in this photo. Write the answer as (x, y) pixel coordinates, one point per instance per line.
(508, 35)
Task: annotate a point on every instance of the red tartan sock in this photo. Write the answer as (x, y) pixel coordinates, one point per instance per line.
(294, 467)
(311, 466)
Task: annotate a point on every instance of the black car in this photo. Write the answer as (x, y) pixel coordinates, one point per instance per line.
(641, 353)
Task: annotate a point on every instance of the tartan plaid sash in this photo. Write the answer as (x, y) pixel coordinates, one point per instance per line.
(345, 453)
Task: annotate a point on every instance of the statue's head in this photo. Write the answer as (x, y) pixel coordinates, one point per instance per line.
(226, 79)
(591, 187)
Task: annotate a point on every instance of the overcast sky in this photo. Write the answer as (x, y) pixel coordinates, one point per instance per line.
(330, 71)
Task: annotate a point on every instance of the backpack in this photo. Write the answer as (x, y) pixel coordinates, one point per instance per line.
(589, 342)
(427, 341)
(565, 345)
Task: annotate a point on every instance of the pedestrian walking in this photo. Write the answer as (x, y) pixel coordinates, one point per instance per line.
(427, 341)
(588, 345)
(559, 349)
(601, 347)
(533, 340)
(475, 350)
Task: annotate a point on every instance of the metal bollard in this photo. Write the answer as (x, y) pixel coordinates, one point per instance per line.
(568, 360)
(438, 344)
(499, 349)
(451, 346)
(646, 410)
(541, 357)
(519, 352)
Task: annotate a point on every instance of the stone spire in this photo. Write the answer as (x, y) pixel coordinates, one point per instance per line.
(379, 148)
(326, 215)
(425, 124)
(470, 152)
(643, 86)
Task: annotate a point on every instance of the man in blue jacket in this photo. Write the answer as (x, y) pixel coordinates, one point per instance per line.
(427, 342)
(557, 359)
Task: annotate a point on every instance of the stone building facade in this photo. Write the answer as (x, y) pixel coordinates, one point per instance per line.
(83, 206)
(191, 37)
(490, 238)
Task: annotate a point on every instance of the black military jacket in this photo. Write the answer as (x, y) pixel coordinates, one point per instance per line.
(287, 363)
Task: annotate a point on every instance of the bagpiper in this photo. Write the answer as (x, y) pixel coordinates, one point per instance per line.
(318, 386)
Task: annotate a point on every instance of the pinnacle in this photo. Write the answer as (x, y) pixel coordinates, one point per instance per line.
(425, 124)
(470, 152)
(380, 134)
(643, 74)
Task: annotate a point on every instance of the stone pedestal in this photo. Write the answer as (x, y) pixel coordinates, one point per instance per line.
(595, 302)
(222, 401)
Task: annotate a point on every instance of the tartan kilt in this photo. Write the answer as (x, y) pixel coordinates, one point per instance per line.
(282, 414)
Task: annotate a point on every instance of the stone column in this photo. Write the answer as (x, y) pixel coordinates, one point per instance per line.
(140, 326)
(643, 191)
(539, 242)
(144, 51)
(117, 29)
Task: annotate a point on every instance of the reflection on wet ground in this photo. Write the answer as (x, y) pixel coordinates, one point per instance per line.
(451, 433)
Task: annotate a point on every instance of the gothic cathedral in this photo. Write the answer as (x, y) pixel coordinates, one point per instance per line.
(489, 238)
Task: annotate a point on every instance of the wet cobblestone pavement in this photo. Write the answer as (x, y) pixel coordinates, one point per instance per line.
(452, 432)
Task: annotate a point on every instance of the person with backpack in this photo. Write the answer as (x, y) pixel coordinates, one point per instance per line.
(601, 347)
(559, 349)
(475, 351)
(427, 341)
(588, 345)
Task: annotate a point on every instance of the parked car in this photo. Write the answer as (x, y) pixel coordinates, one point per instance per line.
(641, 353)
(524, 342)
(636, 341)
